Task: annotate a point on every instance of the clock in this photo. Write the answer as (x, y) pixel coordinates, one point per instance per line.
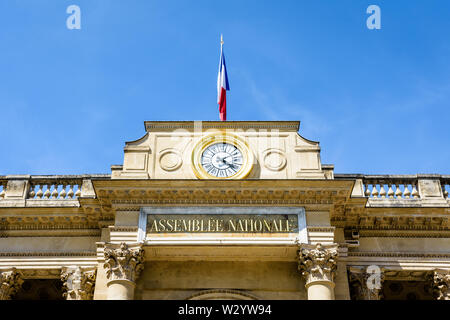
(222, 156)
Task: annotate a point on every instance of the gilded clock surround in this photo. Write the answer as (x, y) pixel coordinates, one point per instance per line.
(222, 137)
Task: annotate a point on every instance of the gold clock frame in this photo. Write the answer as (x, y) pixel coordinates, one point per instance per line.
(222, 137)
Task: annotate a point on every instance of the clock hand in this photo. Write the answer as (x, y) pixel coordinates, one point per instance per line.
(230, 164)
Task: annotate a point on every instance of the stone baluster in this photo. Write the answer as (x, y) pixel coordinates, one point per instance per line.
(70, 193)
(444, 190)
(78, 283)
(31, 193)
(3, 193)
(406, 192)
(78, 192)
(367, 192)
(10, 282)
(414, 193)
(63, 193)
(441, 284)
(390, 192)
(123, 266)
(47, 193)
(317, 264)
(55, 193)
(382, 191)
(40, 193)
(398, 192)
(364, 285)
(374, 190)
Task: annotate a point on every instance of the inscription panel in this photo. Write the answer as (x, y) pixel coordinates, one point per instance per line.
(222, 223)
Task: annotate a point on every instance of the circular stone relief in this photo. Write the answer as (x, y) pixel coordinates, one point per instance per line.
(170, 160)
(274, 159)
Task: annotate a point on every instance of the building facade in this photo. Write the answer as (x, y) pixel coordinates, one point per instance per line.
(224, 210)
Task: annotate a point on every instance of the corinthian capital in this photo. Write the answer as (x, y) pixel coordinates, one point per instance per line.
(317, 262)
(10, 283)
(366, 283)
(78, 283)
(122, 262)
(441, 284)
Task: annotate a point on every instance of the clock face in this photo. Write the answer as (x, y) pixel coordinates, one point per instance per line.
(222, 160)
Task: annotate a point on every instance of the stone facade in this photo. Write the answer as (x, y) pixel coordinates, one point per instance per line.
(291, 229)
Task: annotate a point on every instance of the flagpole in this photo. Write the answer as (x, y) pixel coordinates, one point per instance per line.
(222, 84)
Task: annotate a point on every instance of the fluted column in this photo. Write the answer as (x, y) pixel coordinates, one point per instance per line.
(10, 282)
(366, 284)
(123, 264)
(78, 283)
(317, 263)
(441, 284)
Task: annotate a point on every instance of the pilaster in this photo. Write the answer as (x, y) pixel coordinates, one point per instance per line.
(441, 284)
(10, 282)
(78, 283)
(366, 285)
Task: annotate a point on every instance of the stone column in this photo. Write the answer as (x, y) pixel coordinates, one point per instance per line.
(317, 263)
(123, 264)
(441, 284)
(78, 283)
(366, 285)
(10, 282)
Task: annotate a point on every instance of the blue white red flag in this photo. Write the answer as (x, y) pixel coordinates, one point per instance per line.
(222, 85)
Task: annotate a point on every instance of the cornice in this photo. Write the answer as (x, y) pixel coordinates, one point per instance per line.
(131, 194)
(154, 126)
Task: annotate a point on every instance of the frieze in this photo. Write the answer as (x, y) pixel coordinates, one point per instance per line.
(398, 254)
(48, 254)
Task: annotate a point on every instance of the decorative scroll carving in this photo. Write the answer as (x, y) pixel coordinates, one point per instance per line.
(10, 282)
(318, 262)
(365, 285)
(441, 284)
(122, 263)
(78, 284)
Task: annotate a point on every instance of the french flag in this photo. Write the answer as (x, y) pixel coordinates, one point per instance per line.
(222, 85)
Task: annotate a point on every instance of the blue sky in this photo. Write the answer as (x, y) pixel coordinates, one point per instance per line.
(377, 100)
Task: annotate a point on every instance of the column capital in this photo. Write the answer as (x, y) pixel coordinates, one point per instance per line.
(123, 261)
(441, 284)
(318, 262)
(366, 283)
(78, 283)
(10, 282)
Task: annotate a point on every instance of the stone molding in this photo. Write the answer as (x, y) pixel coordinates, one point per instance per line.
(359, 280)
(78, 283)
(398, 254)
(441, 284)
(123, 261)
(318, 263)
(48, 254)
(204, 125)
(10, 282)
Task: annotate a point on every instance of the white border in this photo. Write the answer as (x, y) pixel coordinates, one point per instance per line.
(302, 236)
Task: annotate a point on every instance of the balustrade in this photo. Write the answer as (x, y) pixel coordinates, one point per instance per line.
(391, 188)
(60, 189)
